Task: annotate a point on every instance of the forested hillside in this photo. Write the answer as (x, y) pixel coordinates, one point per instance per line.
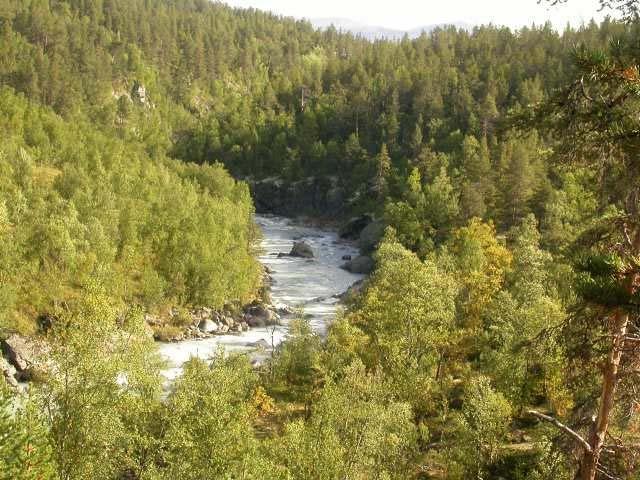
(89, 191)
(497, 336)
(268, 96)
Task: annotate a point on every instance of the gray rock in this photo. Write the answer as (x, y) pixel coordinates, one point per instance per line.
(255, 322)
(302, 250)
(362, 265)
(262, 343)
(258, 315)
(139, 93)
(354, 227)
(370, 236)
(25, 354)
(256, 363)
(284, 309)
(20, 352)
(208, 326)
(8, 371)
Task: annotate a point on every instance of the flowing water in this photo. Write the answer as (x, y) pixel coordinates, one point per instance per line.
(308, 284)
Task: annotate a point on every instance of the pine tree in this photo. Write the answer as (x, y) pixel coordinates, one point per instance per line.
(382, 172)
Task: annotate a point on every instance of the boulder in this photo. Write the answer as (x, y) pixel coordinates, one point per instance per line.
(19, 352)
(354, 227)
(208, 326)
(284, 309)
(24, 354)
(258, 315)
(255, 322)
(262, 343)
(302, 250)
(363, 265)
(370, 236)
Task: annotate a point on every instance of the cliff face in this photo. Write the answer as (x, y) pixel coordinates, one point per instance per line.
(314, 196)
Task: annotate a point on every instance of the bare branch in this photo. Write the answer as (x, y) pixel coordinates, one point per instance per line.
(607, 475)
(584, 90)
(576, 436)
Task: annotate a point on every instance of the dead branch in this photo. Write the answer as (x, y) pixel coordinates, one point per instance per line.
(576, 436)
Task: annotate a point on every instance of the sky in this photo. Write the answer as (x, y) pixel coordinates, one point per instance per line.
(409, 14)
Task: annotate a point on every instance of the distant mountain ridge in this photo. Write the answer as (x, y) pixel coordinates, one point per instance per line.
(373, 32)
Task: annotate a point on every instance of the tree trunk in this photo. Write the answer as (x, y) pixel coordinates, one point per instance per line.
(589, 466)
(620, 324)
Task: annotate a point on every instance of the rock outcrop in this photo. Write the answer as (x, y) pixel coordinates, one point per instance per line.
(371, 236)
(208, 326)
(354, 227)
(363, 265)
(26, 355)
(258, 315)
(314, 196)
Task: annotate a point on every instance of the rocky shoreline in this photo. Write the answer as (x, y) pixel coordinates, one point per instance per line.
(203, 322)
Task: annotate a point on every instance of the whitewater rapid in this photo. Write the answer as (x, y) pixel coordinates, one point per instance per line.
(311, 285)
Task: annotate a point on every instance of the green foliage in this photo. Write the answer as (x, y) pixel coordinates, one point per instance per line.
(356, 430)
(112, 202)
(481, 263)
(525, 353)
(482, 426)
(155, 230)
(25, 453)
(105, 378)
(209, 432)
(403, 324)
(296, 361)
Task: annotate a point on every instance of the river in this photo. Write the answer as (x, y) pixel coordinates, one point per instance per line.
(307, 284)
